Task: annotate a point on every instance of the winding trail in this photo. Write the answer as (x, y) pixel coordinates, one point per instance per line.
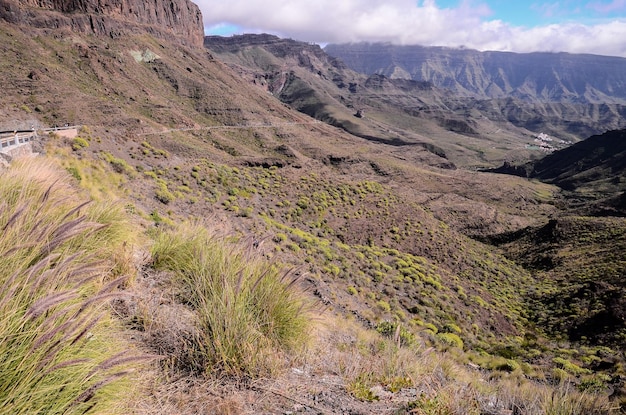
(231, 127)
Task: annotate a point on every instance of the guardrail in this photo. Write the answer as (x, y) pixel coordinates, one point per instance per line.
(16, 138)
(65, 127)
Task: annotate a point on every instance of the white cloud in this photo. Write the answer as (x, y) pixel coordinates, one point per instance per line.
(612, 6)
(410, 22)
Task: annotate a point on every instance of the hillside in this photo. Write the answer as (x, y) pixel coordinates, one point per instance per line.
(283, 264)
(565, 95)
(591, 172)
(400, 112)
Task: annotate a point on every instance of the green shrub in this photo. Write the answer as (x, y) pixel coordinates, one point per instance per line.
(360, 388)
(383, 306)
(163, 195)
(250, 311)
(431, 327)
(79, 143)
(119, 165)
(451, 328)
(279, 237)
(429, 406)
(508, 366)
(73, 171)
(450, 339)
(396, 332)
(570, 367)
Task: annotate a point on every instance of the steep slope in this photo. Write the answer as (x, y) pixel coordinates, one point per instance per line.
(377, 232)
(581, 264)
(579, 258)
(180, 19)
(182, 110)
(598, 162)
(591, 171)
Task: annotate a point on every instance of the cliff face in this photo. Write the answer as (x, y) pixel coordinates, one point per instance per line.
(530, 77)
(300, 53)
(180, 19)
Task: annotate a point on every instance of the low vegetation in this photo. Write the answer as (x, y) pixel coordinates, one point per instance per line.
(249, 311)
(423, 312)
(59, 264)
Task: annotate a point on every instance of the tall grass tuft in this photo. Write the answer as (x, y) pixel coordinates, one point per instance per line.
(53, 281)
(250, 312)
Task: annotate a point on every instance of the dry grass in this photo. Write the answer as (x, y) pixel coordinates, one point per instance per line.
(249, 312)
(58, 353)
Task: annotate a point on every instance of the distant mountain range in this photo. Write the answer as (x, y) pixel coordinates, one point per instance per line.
(531, 77)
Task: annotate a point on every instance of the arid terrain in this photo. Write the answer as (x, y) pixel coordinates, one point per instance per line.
(286, 235)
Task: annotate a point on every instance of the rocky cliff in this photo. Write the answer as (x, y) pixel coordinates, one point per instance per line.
(180, 19)
(530, 77)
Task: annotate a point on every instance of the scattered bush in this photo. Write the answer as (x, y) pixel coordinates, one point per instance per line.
(397, 332)
(570, 367)
(383, 306)
(451, 328)
(119, 165)
(79, 143)
(450, 339)
(509, 365)
(163, 195)
(73, 171)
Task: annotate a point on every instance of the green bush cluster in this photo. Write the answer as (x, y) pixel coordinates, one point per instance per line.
(450, 339)
(163, 195)
(396, 332)
(79, 143)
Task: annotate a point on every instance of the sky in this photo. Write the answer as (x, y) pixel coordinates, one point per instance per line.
(575, 26)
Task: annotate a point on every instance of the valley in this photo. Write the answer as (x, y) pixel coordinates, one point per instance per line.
(288, 235)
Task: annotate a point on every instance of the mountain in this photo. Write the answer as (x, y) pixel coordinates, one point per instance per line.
(471, 131)
(465, 131)
(417, 304)
(531, 77)
(566, 95)
(592, 290)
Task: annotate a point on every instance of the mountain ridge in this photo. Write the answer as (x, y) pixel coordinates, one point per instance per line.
(592, 171)
(180, 19)
(530, 77)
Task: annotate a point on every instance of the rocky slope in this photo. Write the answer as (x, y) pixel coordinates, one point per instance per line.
(180, 19)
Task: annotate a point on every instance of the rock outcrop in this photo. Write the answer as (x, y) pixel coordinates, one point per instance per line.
(168, 19)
